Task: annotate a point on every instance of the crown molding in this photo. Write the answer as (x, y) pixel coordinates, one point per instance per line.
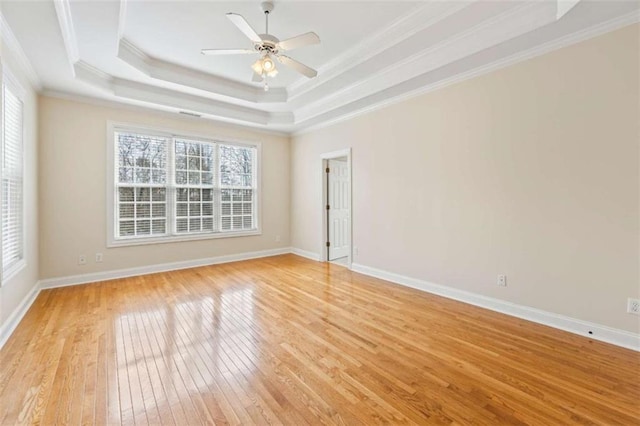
(189, 77)
(399, 30)
(11, 42)
(65, 21)
(388, 99)
(167, 112)
(171, 98)
(487, 33)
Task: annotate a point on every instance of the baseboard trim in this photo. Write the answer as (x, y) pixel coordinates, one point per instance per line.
(304, 253)
(9, 326)
(583, 328)
(606, 334)
(162, 267)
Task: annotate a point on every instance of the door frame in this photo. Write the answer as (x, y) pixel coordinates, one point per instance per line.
(324, 161)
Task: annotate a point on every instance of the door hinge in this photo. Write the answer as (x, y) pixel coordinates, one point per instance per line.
(328, 244)
(326, 170)
(328, 206)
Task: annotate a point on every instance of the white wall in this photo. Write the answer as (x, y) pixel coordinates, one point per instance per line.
(531, 171)
(73, 168)
(17, 288)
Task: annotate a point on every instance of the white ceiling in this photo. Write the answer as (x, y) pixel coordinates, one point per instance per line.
(372, 52)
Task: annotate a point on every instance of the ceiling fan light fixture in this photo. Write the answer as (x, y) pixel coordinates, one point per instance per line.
(257, 67)
(268, 64)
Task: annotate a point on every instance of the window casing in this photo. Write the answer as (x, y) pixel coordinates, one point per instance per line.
(12, 172)
(169, 187)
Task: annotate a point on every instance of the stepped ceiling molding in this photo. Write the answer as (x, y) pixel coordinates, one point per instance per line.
(146, 53)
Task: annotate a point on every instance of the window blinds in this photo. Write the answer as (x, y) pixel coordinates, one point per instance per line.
(12, 177)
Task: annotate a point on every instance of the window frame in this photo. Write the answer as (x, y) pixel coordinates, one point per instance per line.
(111, 185)
(9, 80)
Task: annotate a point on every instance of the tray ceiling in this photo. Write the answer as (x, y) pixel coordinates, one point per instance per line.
(372, 52)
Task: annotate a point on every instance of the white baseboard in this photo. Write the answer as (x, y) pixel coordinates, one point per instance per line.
(152, 269)
(9, 326)
(595, 331)
(603, 333)
(304, 253)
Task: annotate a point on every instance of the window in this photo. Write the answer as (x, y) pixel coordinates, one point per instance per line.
(12, 180)
(171, 187)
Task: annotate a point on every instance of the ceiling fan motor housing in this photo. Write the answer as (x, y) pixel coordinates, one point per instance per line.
(268, 44)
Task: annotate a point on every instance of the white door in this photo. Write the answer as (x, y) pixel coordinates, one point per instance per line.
(339, 209)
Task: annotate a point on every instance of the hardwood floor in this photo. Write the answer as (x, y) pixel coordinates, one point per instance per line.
(289, 341)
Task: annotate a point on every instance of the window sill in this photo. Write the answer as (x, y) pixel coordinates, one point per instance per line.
(180, 238)
(13, 272)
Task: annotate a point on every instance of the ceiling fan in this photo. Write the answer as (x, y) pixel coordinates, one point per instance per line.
(269, 47)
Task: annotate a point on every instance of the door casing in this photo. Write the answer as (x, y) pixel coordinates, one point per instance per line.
(324, 252)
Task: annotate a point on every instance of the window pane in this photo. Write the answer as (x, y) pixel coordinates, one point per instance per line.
(158, 194)
(182, 194)
(125, 194)
(143, 194)
(126, 211)
(125, 174)
(194, 209)
(143, 227)
(247, 222)
(194, 194)
(139, 155)
(127, 228)
(159, 210)
(235, 161)
(182, 225)
(181, 209)
(194, 225)
(158, 226)
(194, 178)
(143, 210)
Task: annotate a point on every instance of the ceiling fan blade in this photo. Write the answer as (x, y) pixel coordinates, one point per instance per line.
(226, 51)
(301, 40)
(257, 78)
(244, 26)
(300, 67)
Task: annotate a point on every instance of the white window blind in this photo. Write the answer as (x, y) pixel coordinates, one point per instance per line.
(171, 187)
(237, 187)
(142, 185)
(12, 178)
(195, 176)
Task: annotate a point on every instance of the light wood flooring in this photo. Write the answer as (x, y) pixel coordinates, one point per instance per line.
(285, 340)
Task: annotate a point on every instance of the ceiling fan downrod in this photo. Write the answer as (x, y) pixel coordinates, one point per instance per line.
(267, 7)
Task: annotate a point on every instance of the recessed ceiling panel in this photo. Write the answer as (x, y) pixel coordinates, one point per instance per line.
(176, 31)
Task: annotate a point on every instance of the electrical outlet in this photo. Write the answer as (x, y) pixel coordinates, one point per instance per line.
(633, 306)
(502, 280)
(82, 259)
(98, 257)
(277, 238)
(355, 250)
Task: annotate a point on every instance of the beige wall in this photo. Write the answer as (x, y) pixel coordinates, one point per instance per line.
(530, 171)
(73, 190)
(17, 288)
